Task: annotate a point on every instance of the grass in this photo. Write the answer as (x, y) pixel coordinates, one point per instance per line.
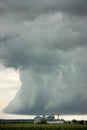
(42, 127)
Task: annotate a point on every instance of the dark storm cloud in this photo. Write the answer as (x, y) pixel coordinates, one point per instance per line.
(50, 53)
(52, 34)
(34, 8)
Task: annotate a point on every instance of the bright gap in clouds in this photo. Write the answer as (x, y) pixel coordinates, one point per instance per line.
(9, 85)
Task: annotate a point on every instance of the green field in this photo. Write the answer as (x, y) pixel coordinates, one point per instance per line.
(42, 127)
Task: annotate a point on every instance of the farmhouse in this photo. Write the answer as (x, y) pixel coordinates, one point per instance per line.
(37, 119)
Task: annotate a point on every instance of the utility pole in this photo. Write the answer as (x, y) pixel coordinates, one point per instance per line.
(44, 116)
(58, 116)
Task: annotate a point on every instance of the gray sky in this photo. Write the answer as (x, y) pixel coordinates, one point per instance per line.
(46, 41)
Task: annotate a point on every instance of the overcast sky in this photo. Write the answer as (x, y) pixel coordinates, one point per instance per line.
(45, 42)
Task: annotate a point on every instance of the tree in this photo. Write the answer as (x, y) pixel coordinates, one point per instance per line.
(74, 121)
(43, 121)
(81, 122)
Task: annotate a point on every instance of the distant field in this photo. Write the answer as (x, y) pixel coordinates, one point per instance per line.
(42, 127)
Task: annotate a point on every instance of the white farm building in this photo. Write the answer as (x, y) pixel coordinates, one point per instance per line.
(37, 119)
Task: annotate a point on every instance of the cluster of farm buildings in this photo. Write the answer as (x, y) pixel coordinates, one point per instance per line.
(49, 119)
(37, 119)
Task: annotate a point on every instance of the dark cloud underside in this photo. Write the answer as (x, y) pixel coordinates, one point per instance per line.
(34, 8)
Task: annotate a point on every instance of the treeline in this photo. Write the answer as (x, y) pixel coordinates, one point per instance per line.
(16, 121)
(79, 122)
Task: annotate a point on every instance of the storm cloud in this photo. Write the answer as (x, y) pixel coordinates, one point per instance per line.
(46, 42)
(31, 9)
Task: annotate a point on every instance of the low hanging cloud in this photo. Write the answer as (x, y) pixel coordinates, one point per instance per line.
(7, 37)
(50, 53)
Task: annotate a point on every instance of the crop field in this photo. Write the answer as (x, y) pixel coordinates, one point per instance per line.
(42, 127)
